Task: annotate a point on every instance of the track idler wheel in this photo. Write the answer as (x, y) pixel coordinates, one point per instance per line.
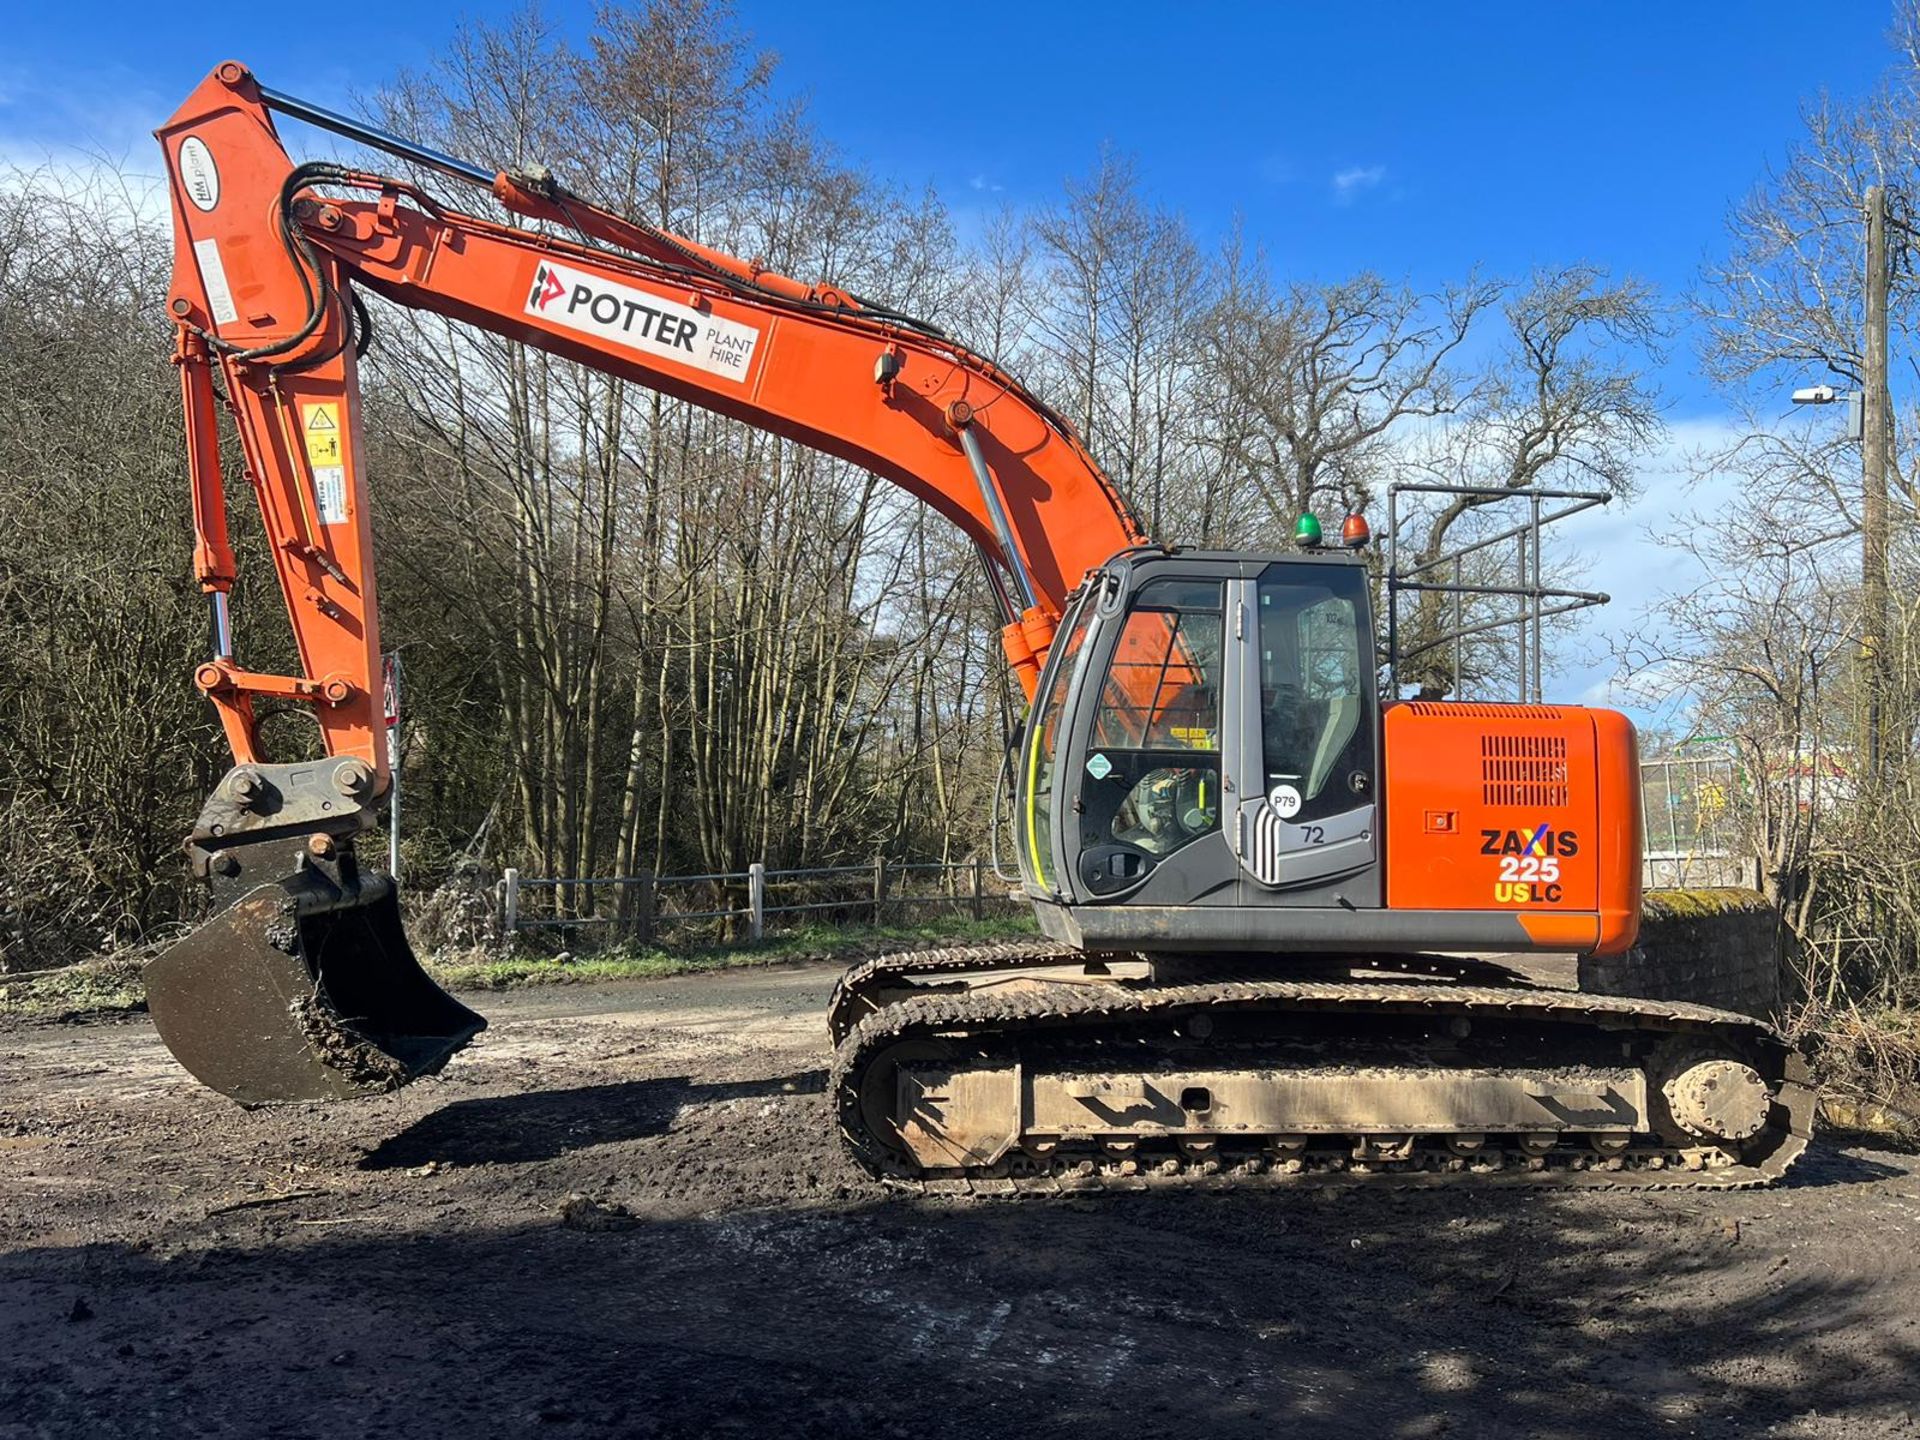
(1718, 1099)
(305, 988)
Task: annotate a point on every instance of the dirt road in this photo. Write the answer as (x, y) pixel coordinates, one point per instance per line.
(170, 1265)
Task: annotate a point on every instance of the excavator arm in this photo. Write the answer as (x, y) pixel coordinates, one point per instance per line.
(306, 951)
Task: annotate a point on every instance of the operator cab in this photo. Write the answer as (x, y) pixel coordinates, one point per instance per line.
(1202, 759)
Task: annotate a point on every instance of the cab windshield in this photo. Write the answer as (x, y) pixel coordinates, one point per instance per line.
(1152, 777)
(1043, 744)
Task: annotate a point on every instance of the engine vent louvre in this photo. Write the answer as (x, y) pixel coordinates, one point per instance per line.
(1523, 770)
(1483, 710)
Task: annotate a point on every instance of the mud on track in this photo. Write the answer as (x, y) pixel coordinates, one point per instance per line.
(402, 1266)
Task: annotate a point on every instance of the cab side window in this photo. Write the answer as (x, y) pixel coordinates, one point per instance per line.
(1315, 674)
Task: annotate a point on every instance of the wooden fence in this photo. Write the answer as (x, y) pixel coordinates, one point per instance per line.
(646, 905)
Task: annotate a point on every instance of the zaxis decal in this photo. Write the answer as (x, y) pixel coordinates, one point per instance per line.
(1529, 863)
(1543, 841)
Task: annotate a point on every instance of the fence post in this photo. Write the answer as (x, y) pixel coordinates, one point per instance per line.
(879, 888)
(643, 906)
(757, 900)
(510, 918)
(979, 882)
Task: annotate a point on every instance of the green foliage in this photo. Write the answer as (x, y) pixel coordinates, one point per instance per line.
(1700, 903)
(812, 942)
(91, 988)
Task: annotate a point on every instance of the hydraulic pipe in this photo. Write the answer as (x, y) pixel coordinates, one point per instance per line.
(222, 625)
(998, 585)
(371, 135)
(960, 417)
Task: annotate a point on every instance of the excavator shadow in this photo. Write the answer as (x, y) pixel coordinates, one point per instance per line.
(1826, 1164)
(545, 1124)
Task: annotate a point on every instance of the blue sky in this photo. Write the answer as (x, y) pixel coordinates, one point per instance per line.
(1418, 141)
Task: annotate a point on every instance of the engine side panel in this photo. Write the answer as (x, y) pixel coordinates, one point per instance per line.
(1527, 810)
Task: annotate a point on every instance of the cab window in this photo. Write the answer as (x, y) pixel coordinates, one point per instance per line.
(1162, 688)
(1152, 779)
(1315, 678)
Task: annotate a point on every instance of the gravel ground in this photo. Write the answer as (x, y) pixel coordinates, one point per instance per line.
(413, 1265)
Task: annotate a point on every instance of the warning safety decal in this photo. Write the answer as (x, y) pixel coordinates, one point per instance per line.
(320, 423)
(643, 322)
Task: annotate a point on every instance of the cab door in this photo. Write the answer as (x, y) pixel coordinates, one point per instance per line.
(1206, 734)
(1304, 813)
(1150, 741)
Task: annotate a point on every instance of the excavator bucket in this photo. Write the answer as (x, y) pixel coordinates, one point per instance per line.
(305, 989)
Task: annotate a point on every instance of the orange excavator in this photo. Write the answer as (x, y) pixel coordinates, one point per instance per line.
(1258, 880)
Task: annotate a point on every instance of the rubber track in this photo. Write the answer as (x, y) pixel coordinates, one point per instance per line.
(1066, 1007)
(1005, 954)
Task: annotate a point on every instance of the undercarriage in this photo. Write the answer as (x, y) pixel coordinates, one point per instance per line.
(1033, 1065)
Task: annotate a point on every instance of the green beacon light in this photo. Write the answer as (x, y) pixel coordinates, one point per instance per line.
(1306, 534)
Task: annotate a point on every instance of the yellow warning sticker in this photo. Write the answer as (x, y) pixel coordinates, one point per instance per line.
(323, 433)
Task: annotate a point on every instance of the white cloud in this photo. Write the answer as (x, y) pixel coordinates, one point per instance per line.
(1351, 183)
(1615, 549)
(1624, 558)
(984, 185)
(110, 109)
(102, 119)
(90, 134)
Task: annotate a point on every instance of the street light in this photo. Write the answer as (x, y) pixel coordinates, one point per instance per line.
(1827, 395)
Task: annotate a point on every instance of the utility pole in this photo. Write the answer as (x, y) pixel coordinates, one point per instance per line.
(1875, 436)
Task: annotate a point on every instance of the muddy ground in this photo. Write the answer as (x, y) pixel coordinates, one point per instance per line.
(170, 1265)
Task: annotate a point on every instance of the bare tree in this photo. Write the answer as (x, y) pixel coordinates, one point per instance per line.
(105, 748)
(638, 634)
(1565, 402)
(1770, 648)
(1118, 327)
(1310, 382)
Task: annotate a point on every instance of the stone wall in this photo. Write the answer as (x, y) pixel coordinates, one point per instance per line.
(1714, 947)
